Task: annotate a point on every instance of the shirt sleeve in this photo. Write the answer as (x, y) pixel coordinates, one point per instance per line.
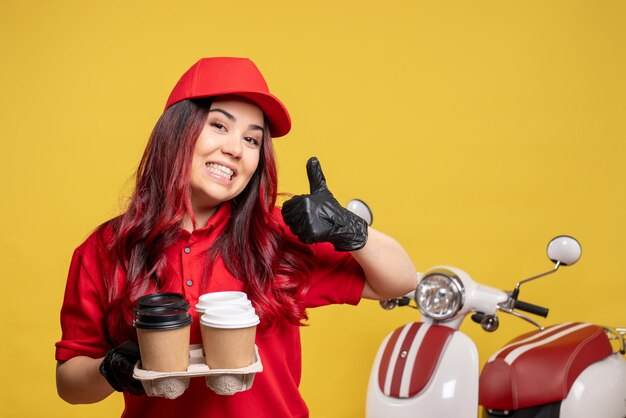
(82, 314)
(336, 278)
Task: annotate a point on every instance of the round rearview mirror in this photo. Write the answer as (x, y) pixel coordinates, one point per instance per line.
(565, 250)
(360, 208)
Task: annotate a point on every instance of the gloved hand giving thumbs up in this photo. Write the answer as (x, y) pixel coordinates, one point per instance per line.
(318, 217)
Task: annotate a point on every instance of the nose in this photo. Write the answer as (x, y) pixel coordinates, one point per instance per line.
(232, 146)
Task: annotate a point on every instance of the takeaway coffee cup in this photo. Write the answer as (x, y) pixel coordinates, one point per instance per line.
(163, 334)
(214, 299)
(228, 333)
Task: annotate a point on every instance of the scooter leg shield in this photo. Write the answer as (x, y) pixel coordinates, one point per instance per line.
(452, 390)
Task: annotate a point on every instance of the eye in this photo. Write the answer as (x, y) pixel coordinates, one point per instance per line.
(218, 125)
(252, 141)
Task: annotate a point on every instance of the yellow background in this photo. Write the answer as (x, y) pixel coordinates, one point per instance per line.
(476, 131)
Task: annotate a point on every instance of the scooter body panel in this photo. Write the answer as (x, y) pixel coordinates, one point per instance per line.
(452, 390)
(599, 391)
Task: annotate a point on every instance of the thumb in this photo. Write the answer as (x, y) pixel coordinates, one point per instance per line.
(317, 181)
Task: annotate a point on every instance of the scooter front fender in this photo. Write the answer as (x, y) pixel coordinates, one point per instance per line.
(451, 389)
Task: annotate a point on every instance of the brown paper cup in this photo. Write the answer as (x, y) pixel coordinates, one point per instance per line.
(228, 333)
(164, 350)
(228, 348)
(163, 335)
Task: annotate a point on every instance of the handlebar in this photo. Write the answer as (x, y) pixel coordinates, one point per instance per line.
(530, 308)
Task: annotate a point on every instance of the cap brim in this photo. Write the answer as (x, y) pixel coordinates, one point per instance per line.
(275, 112)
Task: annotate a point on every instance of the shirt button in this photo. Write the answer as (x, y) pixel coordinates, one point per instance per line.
(189, 283)
(187, 250)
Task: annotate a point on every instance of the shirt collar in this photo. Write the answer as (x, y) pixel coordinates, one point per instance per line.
(216, 222)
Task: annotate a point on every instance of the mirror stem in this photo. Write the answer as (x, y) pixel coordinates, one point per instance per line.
(517, 286)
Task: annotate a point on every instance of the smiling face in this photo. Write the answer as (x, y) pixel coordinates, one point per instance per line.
(226, 154)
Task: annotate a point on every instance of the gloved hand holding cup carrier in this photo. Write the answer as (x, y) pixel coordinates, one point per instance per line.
(318, 216)
(117, 368)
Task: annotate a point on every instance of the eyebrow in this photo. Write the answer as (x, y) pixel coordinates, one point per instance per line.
(232, 118)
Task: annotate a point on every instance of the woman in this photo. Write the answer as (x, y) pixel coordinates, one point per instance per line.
(203, 219)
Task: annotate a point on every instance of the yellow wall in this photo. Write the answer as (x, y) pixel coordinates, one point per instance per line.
(476, 130)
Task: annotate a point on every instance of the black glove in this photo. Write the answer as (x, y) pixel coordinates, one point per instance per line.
(117, 367)
(318, 217)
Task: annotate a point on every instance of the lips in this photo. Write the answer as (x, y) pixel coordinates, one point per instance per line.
(220, 170)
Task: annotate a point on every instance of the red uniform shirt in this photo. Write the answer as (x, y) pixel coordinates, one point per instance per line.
(336, 278)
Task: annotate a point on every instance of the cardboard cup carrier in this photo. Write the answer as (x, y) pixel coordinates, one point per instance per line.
(227, 361)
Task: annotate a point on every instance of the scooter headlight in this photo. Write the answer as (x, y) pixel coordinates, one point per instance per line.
(439, 295)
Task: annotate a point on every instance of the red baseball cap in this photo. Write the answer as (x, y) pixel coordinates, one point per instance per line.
(232, 76)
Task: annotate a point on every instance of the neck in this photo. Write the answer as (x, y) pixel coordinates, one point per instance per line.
(202, 216)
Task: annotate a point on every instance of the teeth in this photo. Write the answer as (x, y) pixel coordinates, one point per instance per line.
(220, 170)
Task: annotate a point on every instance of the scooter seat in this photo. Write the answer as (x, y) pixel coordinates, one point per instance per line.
(540, 367)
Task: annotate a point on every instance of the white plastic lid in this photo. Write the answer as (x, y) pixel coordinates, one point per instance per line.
(230, 317)
(228, 295)
(212, 299)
